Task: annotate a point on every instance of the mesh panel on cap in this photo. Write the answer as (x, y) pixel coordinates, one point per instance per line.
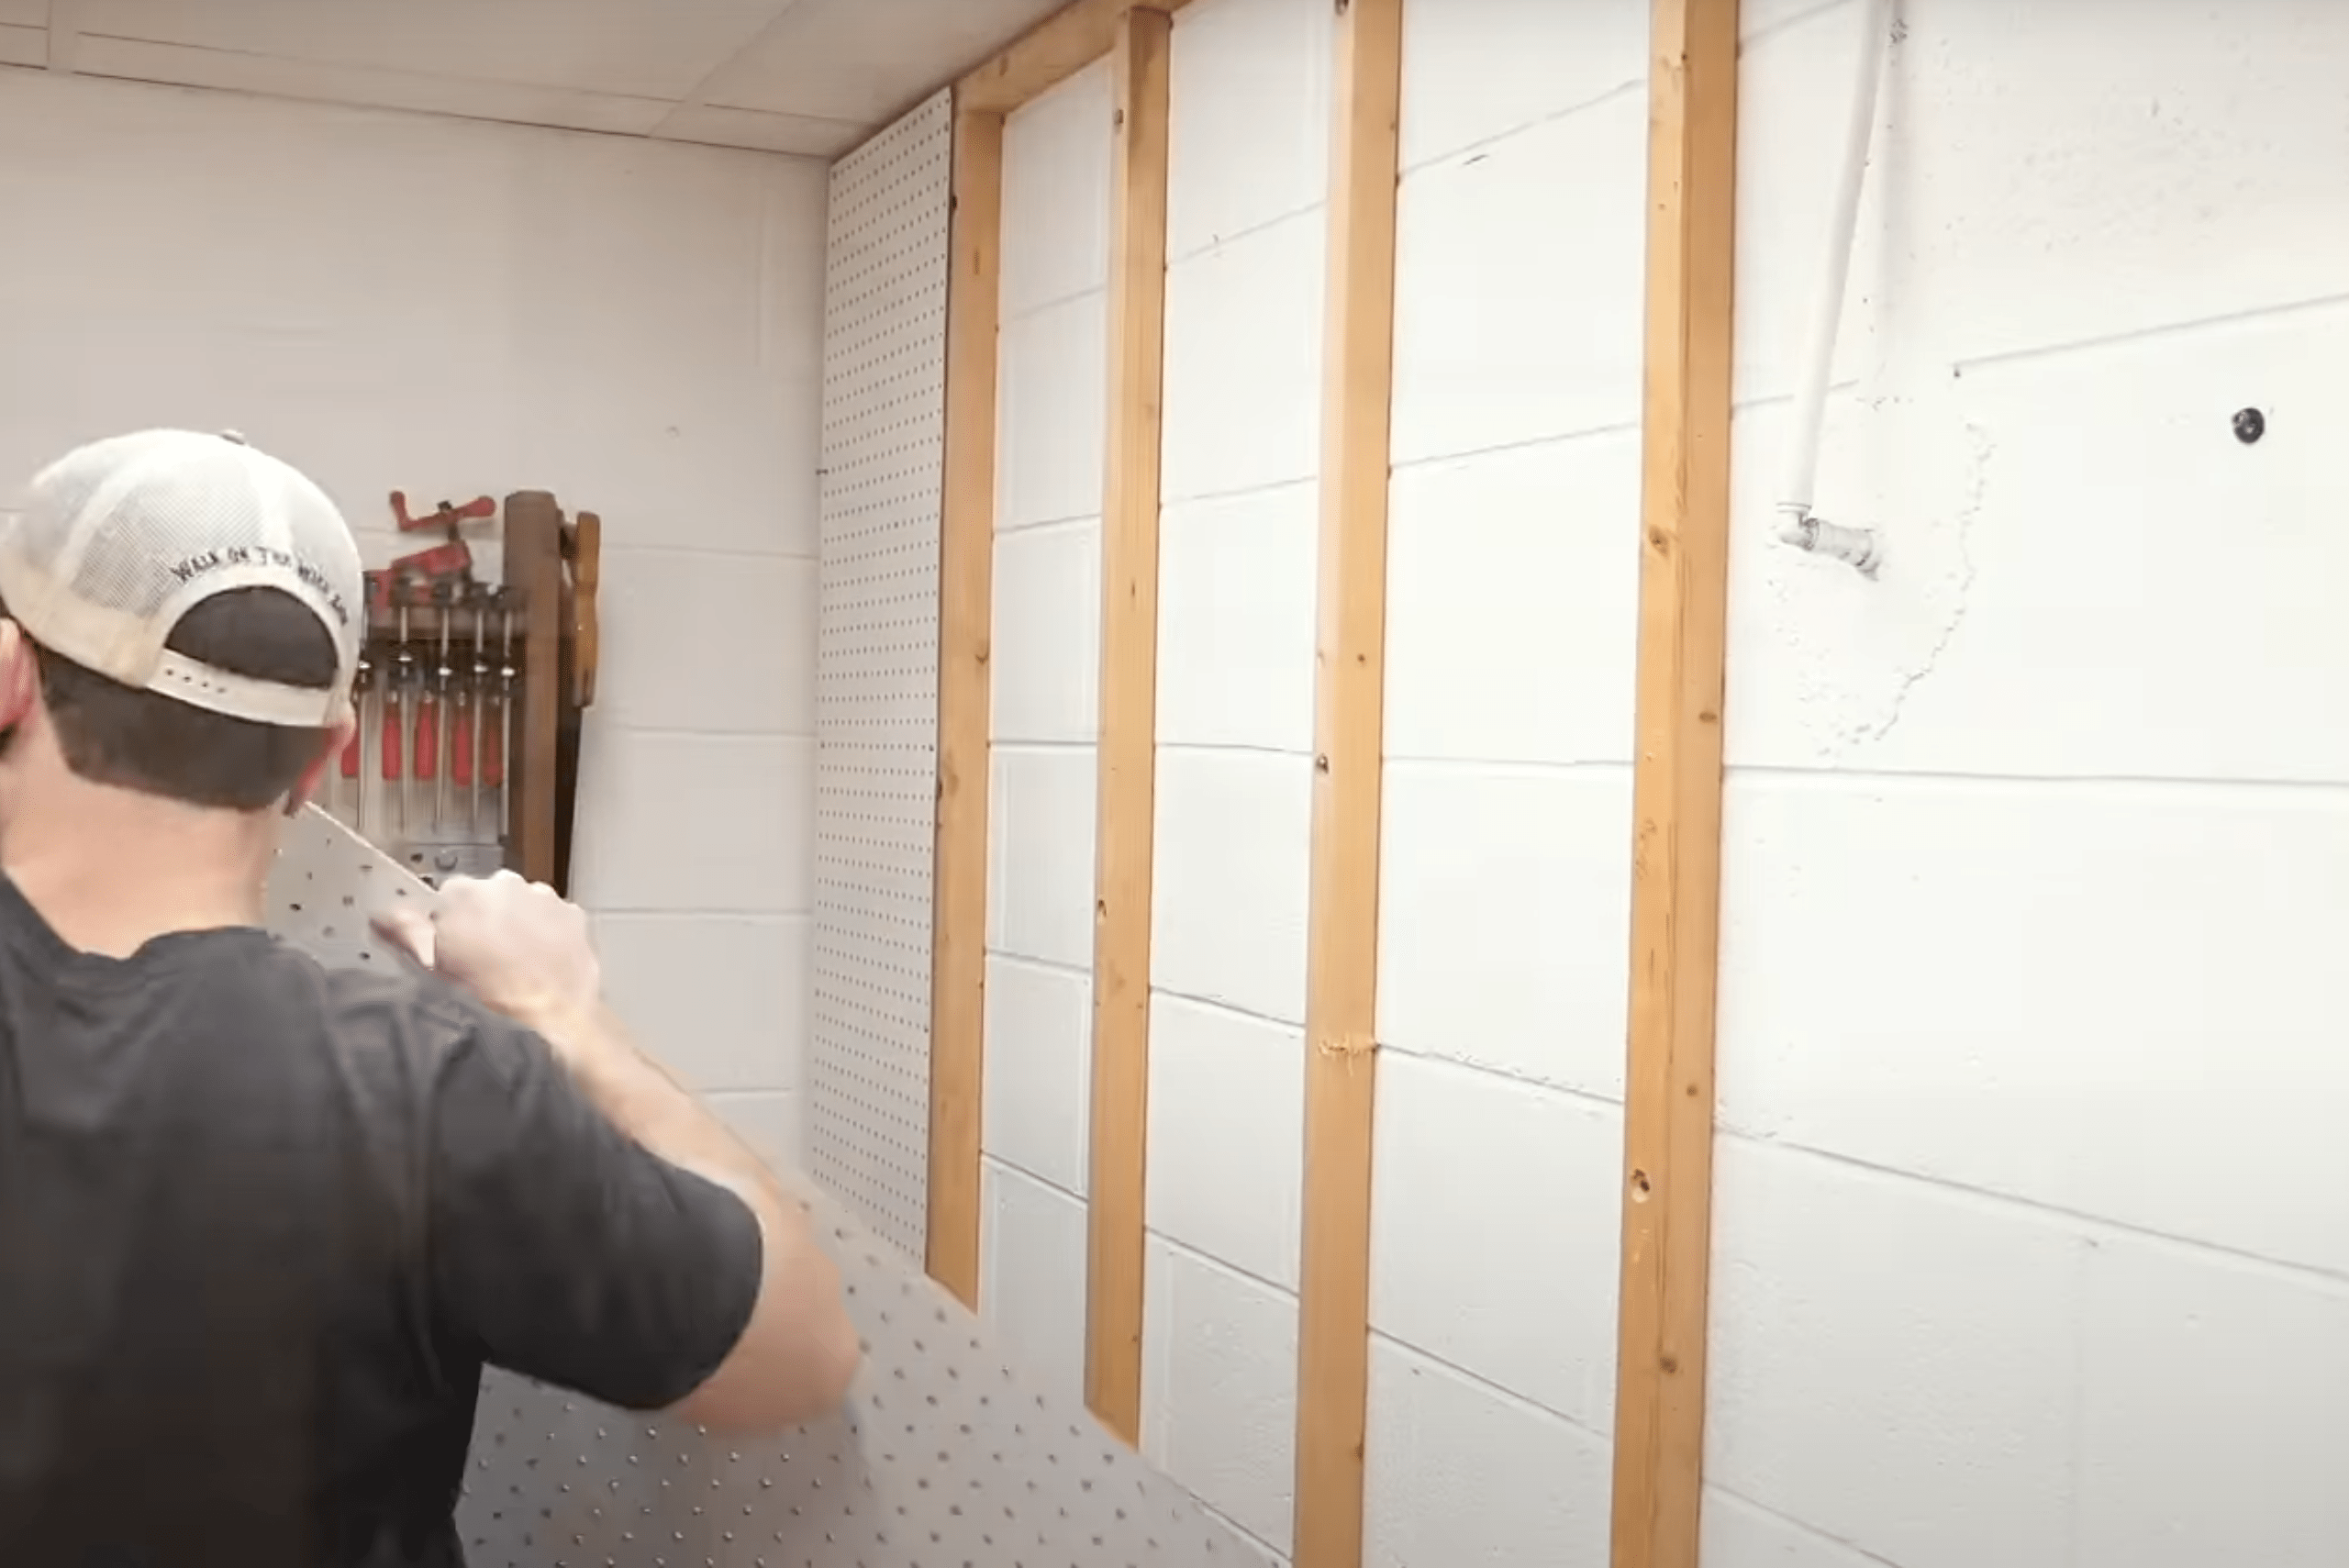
(66, 492)
(122, 537)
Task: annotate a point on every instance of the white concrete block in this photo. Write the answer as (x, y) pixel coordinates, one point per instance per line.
(1736, 1534)
(709, 401)
(1227, 1127)
(695, 823)
(1494, 1232)
(747, 467)
(1249, 118)
(767, 1121)
(1504, 919)
(1220, 1388)
(1758, 18)
(1037, 1099)
(1039, 854)
(1476, 70)
(1056, 194)
(2114, 1000)
(1046, 648)
(2050, 527)
(1893, 1366)
(1461, 1473)
(1031, 1276)
(724, 1001)
(1052, 390)
(1243, 362)
(1236, 616)
(1258, 1555)
(704, 642)
(2215, 1411)
(1512, 603)
(797, 197)
(2054, 190)
(1794, 97)
(1518, 286)
(2007, 211)
(1232, 862)
(670, 308)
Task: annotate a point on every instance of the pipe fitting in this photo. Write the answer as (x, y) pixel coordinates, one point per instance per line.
(1856, 547)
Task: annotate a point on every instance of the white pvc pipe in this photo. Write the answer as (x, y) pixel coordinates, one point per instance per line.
(1794, 495)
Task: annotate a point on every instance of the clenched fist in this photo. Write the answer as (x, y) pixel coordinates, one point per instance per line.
(515, 944)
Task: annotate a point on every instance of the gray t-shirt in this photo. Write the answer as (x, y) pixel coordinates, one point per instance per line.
(263, 1224)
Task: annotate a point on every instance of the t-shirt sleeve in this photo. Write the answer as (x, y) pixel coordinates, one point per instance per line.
(565, 1252)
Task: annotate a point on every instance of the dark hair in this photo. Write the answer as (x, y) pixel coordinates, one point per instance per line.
(113, 734)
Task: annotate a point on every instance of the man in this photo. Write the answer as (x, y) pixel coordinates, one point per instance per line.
(262, 1225)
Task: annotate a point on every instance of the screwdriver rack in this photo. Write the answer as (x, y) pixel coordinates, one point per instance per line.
(470, 697)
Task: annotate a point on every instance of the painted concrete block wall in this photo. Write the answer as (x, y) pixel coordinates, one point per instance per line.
(1051, 390)
(2033, 1235)
(1247, 235)
(1511, 590)
(2030, 1204)
(449, 307)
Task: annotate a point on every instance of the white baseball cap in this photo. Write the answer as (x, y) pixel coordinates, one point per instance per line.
(118, 540)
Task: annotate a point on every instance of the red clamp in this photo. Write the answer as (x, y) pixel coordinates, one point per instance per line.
(478, 510)
(450, 561)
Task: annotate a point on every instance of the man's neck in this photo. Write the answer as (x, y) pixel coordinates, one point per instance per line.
(111, 870)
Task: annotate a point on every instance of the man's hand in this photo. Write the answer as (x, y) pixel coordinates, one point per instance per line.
(515, 944)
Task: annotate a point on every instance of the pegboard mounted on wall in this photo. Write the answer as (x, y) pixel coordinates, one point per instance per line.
(876, 714)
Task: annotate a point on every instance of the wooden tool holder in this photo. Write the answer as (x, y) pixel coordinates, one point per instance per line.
(477, 768)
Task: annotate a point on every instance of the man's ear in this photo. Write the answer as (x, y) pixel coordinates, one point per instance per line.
(314, 777)
(19, 676)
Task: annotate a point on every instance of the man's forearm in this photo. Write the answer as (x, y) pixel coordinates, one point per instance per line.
(809, 1341)
(648, 1103)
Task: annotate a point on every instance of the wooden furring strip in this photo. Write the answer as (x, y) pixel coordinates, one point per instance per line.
(1341, 940)
(1126, 753)
(965, 629)
(1676, 789)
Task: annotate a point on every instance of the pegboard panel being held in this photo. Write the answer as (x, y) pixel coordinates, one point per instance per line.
(876, 715)
(944, 1454)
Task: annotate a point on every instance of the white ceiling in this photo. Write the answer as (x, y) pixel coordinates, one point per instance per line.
(807, 76)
